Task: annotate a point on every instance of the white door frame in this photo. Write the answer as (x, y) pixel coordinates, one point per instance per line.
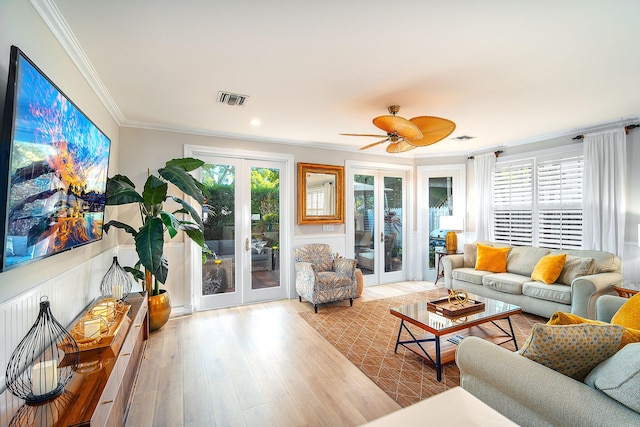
(459, 203)
(193, 253)
(407, 226)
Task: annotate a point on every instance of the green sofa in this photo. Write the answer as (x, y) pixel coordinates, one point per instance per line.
(531, 394)
(516, 287)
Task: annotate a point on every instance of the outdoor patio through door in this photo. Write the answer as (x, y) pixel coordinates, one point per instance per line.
(242, 229)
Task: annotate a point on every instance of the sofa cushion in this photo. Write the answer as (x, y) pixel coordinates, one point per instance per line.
(572, 350)
(470, 275)
(629, 314)
(548, 268)
(213, 246)
(523, 259)
(562, 318)
(575, 267)
(505, 282)
(227, 247)
(555, 293)
(604, 262)
(492, 259)
(619, 377)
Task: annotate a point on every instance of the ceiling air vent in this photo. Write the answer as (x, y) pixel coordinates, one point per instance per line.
(232, 98)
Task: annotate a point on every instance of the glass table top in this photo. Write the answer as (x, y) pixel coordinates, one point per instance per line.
(418, 314)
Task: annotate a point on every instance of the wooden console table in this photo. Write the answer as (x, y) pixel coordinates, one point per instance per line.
(100, 391)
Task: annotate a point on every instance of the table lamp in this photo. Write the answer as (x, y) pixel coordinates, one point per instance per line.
(452, 223)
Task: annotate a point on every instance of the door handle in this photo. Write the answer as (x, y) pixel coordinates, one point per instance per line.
(247, 247)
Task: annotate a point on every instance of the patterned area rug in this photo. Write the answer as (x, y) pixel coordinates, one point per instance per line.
(366, 334)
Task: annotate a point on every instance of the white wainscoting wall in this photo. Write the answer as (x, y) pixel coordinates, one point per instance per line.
(69, 294)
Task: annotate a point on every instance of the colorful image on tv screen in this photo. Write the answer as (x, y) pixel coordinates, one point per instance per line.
(58, 172)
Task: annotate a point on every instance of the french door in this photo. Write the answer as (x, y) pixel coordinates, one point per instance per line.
(441, 190)
(242, 230)
(378, 205)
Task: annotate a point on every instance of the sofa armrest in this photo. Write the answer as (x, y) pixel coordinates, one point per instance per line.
(585, 291)
(305, 278)
(607, 306)
(532, 394)
(451, 262)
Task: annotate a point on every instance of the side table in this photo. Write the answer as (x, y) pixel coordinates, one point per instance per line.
(439, 267)
(624, 292)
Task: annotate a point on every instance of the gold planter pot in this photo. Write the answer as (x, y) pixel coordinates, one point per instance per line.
(159, 310)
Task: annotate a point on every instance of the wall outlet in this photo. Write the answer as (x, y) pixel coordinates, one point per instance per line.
(327, 227)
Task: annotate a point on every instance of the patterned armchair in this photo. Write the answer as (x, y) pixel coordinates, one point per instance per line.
(320, 278)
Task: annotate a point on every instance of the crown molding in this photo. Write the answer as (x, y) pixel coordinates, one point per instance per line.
(52, 17)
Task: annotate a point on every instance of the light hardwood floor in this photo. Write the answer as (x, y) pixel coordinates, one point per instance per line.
(255, 365)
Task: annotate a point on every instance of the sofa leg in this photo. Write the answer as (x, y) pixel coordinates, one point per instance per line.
(315, 308)
(351, 302)
(299, 298)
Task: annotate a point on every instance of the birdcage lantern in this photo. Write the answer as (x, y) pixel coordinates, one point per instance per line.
(116, 282)
(44, 361)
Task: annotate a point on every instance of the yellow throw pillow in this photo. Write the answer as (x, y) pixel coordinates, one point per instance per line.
(572, 350)
(548, 269)
(559, 318)
(629, 314)
(492, 259)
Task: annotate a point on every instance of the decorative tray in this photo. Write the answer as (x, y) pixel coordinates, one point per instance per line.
(100, 325)
(451, 309)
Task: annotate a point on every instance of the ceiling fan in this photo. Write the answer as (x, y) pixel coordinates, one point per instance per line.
(404, 135)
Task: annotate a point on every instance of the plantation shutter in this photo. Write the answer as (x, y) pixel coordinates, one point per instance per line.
(560, 203)
(513, 203)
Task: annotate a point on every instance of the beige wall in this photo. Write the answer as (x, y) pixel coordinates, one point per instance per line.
(149, 148)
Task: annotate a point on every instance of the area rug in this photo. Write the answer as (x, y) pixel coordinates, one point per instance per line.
(366, 334)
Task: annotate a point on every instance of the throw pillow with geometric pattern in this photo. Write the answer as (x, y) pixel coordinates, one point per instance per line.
(572, 350)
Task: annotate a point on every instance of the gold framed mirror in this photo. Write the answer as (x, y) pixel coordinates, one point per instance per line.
(320, 194)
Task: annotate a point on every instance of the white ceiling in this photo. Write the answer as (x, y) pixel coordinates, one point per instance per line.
(504, 71)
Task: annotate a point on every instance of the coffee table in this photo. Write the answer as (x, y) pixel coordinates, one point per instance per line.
(442, 330)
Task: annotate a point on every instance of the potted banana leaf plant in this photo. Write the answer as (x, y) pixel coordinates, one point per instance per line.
(156, 223)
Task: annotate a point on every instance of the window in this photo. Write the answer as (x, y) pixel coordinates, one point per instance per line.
(538, 202)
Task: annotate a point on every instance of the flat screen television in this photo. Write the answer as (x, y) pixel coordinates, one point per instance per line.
(53, 169)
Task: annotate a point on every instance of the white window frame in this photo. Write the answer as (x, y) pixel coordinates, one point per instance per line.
(570, 200)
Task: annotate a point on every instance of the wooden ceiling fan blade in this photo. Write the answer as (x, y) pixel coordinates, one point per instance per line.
(363, 134)
(433, 129)
(400, 147)
(398, 125)
(374, 144)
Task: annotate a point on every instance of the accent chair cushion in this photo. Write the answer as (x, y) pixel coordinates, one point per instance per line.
(560, 318)
(575, 267)
(572, 350)
(619, 377)
(548, 269)
(629, 314)
(492, 259)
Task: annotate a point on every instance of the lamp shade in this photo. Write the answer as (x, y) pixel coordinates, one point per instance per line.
(452, 223)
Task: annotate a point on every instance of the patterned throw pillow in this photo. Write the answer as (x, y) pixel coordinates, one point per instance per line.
(470, 254)
(548, 268)
(560, 318)
(575, 267)
(572, 350)
(492, 259)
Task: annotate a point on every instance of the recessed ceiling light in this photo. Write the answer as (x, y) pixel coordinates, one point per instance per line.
(463, 137)
(255, 122)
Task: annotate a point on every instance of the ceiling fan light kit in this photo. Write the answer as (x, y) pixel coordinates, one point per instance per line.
(405, 135)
